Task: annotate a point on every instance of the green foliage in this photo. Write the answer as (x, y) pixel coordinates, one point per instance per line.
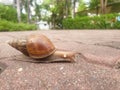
(8, 13)
(82, 5)
(24, 18)
(94, 4)
(11, 26)
(97, 22)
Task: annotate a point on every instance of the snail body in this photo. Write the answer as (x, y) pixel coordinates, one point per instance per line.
(38, 46)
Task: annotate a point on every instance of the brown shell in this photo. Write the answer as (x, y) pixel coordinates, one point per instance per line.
(36, 46)
(39, 46)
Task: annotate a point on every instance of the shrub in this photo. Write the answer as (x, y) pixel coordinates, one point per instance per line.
(11, 26)
(8, 12)
(97, 22)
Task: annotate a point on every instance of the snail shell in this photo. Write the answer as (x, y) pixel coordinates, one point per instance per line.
(35, 45)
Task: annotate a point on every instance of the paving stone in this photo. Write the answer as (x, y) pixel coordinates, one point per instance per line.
(94, 69)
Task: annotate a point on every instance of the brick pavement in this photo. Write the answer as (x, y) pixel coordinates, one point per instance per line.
(99, 70)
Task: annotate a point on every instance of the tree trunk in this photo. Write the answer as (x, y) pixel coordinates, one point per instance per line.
(103, 6)
(18, 10)
(14, 3)
(66, 7)
(97, 8)
(28, 11)
(106, 5)
(73, 8)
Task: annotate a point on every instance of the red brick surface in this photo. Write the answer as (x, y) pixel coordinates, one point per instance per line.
(99, 70)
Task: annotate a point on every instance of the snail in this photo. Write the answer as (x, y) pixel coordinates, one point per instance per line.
(40, 48)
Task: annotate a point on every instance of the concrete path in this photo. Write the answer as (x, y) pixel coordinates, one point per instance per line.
(99, 70)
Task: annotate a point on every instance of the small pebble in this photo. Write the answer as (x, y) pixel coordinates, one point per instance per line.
(65, 56)
(61, 68)
(20, 69)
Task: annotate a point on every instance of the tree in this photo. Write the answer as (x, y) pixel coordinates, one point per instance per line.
(37, 11)
(23, 4)
(26, 4)
(82, 5)
(94, 4)
(73, 2)
(100, 5)
(18, 10)
(103, 4)
(67, 7)
(28, 10)
(17, 5)
(58, 10)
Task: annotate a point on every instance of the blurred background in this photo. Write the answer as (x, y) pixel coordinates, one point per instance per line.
(20, 15)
